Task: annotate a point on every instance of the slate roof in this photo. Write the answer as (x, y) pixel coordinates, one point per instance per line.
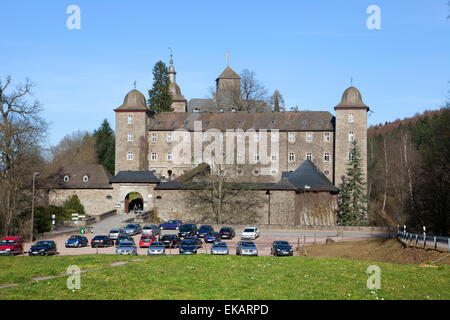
(208, 105)
(308, 177)
(134, 100)
(228, 73)
(283, 121)
(135, 177)
(98, 177)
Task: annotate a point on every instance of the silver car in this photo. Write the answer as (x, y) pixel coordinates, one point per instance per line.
(151, 229)
(115, 233)
(126, 247)
(132, 229)
(156, 248)
(246, 248)
(220, 247)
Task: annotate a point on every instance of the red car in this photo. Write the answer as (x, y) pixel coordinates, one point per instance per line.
(11, 245)
(145, 241)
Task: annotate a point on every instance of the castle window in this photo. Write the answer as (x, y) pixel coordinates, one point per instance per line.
(154, 156)
(327, 172)
(256, 172)
(239, 171)
(350, 156)
(240, 157)
(326, 157)
(291, 157)
(274, 171)
(256, 136)
(273, 121)
(274, 136)
(130, 119)
(350, 117)
(85, 179)
(309, 136)
(169, 156)
(274, 157)
(256, 156)
(291, 137)
(130, 156)
(153, 137)
(204, 136)
(304, 121)
(169, 137)
(186, 137)
(350, 136)
(66, 178)
(130, 136)
(327, 137)
(308, 156)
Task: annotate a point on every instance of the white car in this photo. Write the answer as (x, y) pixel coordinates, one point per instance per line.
(250, 233)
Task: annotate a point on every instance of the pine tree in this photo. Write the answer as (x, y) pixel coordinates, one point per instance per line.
(105, 146)
(352, 201)
(277, 101)
(159, 96)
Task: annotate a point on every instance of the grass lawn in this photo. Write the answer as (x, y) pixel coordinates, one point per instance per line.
(220, 277)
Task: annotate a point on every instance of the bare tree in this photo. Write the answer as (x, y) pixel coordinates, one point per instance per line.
(218, 198)
(21, 131)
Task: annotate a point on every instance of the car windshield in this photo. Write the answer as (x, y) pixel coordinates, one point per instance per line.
(6, 242)
(249, 230)
(205, 228)
(172, 221)
(126, 244)
(42, 244)
(146, 238)
(186, 227)
(114, 231)
(157, 244)
(74, 238)
(188, 243)
(225, 230)
(148, 227)
(131, 226)
(247, 244)
(281, 243)
(220, 244)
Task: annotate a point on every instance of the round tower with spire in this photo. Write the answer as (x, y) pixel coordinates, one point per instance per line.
(179, 103)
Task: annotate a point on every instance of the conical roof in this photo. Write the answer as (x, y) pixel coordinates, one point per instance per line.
(134, 100)
(308, 177)
(228, 73)
(351, 98)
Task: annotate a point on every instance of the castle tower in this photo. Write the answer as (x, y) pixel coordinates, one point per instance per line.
(351, 124)
(228, 88)
(132, 120)
(179, 103)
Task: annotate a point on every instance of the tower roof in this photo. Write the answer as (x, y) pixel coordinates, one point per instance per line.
(351, 98)
(134, 100)
(228, 73)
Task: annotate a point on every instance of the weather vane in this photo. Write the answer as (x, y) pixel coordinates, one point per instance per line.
(171, 60)
(134, 84)
(228, 60)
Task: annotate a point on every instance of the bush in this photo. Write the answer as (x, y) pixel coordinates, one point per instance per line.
(73, 205)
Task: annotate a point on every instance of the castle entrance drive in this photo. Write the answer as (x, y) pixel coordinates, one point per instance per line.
(133, 202)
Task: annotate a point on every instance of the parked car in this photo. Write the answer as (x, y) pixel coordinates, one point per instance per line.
(101, 241)
(43, 248)
(188, 246)
(187, 229)
(123, 238)
(281, 248)
(220, 247)
(146, 240)
(132, 229)
(151, 229)
(156, 248)
(11, 245)
(126, 247)
(170, 240)
(77, 241)
(170, 225)
(212, 237)
(197, 241)
(246, 248)
(204, 229)
(250, 233)
(114, 233)
(227, 233)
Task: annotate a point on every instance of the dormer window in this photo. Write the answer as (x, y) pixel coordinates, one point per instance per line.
(66, 178)
(85, 178)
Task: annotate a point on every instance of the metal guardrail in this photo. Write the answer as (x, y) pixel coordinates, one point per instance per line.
(413, 239)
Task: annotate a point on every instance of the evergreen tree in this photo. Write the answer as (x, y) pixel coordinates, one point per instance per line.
(73, 205)
(352, 200)
(159, 96)
(277, 101)
(105, 146)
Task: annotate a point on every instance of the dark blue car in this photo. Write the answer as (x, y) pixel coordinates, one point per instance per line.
(212, 237)
(77, 242)
(170, 225)
(188, 247)
(204, 229)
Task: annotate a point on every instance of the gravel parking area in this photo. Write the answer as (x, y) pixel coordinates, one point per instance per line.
(263, 243)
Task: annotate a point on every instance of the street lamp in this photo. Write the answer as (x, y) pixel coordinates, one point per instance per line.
(35, 174)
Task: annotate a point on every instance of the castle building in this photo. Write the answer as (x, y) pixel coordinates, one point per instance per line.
(296, 171)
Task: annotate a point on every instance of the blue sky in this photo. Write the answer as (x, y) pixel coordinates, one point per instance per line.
(308, 50)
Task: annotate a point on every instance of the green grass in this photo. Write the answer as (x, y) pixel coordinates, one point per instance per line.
(220, 277)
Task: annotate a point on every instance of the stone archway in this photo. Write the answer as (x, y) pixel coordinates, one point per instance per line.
(133, 200)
